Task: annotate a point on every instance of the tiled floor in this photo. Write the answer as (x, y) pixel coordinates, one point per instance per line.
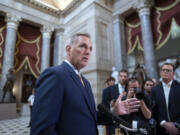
(14, 126)
(19, 127)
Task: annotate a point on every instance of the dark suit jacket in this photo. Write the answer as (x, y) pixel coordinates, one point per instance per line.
(62, 105)
(110, 93)
(160, 109)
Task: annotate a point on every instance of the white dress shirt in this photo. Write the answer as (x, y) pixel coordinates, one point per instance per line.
(166, 89)
(31, 100)
(75, 70)
(121, 88)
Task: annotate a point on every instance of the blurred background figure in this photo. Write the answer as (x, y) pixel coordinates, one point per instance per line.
(31, 102)
(110, 81)
(155, 81)
(177, 70)
(139, 73)
(148, 84)
(111, 93)
(115, 74)
(142, 117)
(8, 87)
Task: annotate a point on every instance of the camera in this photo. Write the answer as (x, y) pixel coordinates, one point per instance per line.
(139, 93)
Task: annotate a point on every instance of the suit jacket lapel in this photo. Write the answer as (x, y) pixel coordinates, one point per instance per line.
(90, 96)
(116, 91)
(85, 90)
(161, 91)
(73, 75)
(171, 94)
(166, 110)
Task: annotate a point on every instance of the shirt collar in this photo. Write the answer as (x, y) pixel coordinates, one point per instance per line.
(120, 86)
(169, 84)
(75, 70)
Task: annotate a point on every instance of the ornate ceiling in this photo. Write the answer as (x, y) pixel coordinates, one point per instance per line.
(59, 4)
(59, 7)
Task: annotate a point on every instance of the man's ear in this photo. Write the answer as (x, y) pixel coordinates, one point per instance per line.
(68, 49)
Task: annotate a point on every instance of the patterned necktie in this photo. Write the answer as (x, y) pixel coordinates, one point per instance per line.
(81, 79)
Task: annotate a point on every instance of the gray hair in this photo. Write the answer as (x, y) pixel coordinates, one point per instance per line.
(74, 37)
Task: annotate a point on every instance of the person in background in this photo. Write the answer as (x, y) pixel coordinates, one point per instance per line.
(148, 84)
(142, 117)
(111, 93)
(31, 102)
(166, 95)
(8, 86)
(155, 81)
(110, 81)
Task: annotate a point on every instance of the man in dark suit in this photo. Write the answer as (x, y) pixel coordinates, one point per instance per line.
(64, 103)
(166, 96)
(111, 93)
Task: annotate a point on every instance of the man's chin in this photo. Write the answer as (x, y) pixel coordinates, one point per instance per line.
(83, 65)
(166, 79)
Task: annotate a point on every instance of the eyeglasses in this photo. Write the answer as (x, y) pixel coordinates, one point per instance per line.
(166, 70)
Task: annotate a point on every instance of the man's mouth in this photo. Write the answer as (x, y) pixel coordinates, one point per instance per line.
(85, 59)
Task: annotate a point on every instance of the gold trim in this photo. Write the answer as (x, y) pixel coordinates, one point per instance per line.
(140, 46)
(133, 25)
(129, 40)
(158, 28)
(27, 41)
(168, 35)
(37, 40)
(168, 7)
(1, 36)
(37, 55)
(158, 43)
(26, 60)
(137, 43)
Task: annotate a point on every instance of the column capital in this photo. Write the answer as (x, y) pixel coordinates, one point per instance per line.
(47, 31)
(12, 20)
(118, 18)
(59, 31)
(143, 6)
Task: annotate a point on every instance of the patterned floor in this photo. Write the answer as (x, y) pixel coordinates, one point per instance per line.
(14, 126)
(19, 127)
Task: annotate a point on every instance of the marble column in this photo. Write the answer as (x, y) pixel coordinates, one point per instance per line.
(46, 38)
(143, 8)
(10, 43)
(57, 46)
(120, 56)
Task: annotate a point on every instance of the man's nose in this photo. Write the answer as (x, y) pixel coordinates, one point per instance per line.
(123, 77)
(88, 51)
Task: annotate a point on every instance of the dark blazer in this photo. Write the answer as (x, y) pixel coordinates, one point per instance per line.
(160, 109)
(62, 105)
(110, 93)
